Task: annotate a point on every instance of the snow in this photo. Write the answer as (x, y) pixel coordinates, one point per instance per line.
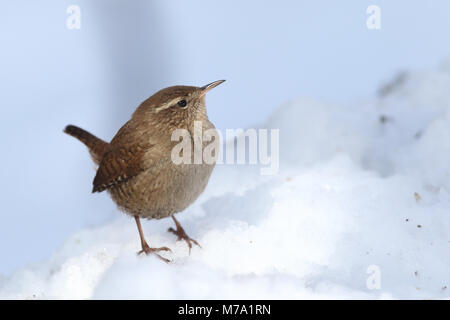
(361, 187)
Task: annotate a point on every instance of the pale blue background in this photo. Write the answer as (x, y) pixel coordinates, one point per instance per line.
(269, 52)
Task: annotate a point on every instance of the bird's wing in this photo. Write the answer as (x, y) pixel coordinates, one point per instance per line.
(118, 165)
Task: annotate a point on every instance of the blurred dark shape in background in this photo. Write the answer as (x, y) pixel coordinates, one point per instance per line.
(52, 76)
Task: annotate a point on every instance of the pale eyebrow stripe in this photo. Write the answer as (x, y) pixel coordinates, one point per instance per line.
(166, 105)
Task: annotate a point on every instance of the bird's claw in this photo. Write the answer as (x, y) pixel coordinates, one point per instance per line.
(181, 235)
(147, 250)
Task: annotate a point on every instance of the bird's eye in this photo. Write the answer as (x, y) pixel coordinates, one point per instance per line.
(182, 103)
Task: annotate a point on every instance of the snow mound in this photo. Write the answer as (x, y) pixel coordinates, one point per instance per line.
(361, 188)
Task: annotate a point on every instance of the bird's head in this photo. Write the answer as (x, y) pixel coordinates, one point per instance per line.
(177, 105)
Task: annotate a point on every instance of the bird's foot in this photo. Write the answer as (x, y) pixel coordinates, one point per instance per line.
(147, 250)
(181, 235)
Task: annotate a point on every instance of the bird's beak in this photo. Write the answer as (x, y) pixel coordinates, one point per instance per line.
(209, 86)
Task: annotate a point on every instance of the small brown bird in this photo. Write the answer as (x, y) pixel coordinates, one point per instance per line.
(136, 166)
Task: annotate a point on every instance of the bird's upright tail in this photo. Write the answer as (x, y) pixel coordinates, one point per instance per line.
(97, 147)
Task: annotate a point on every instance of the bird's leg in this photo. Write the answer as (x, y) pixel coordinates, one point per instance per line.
(181, 234)
(145, 247)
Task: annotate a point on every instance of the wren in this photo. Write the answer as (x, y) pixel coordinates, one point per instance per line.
(136, 168)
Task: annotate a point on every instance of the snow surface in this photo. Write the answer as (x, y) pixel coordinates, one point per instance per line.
(361, 186)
